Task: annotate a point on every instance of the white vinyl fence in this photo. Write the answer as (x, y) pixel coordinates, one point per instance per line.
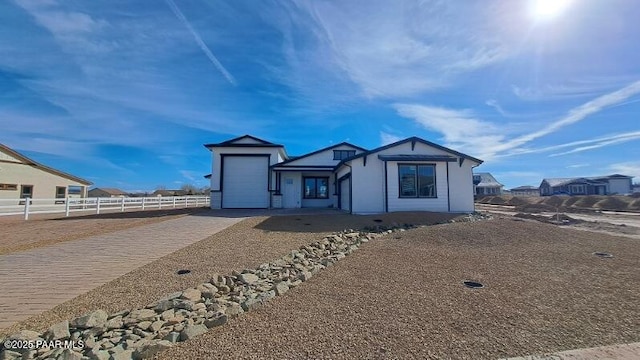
(97, 205)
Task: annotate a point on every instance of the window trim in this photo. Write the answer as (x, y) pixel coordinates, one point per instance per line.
(342, 152)
(316, 197)
(22, 194)
(64, 194)
(417, 185)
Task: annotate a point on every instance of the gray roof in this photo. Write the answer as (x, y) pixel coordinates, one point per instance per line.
(553, 182)
(525, 187)
(487, 180)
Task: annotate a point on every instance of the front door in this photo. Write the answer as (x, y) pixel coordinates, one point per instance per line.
(290, 196)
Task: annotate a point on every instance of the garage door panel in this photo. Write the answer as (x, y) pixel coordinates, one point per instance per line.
(245, 182)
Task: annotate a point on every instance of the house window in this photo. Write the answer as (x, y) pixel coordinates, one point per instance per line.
(577, 189)
(26, 191)
(61, 192)
(343, 154)
(417, 181)
(75, 190)
(8, 187)
(316, 187)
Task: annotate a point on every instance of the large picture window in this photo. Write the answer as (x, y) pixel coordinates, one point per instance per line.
(316, 187)
(417, 181)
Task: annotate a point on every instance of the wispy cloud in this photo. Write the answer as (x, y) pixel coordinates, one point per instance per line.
(200, 43)
(583, 145)
(461, 128)
(389, 50)
(386, 138)
(631, 168)
(577, 166)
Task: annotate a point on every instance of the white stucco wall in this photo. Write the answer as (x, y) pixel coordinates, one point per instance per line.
(324, 158)
(368, 183)
(44, 183)
(619, 186)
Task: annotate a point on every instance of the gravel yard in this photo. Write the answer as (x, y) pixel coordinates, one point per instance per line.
(244, 245)
(402, 296)
(18, 234)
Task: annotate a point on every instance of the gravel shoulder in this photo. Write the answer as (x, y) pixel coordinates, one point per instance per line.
(19, 235)
(401, 296)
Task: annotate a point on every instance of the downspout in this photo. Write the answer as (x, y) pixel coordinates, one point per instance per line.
(474, 195)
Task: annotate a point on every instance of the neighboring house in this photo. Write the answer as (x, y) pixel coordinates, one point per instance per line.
(412, 174)
(21, 177)
(526, 190)
(169, 193)
(486, 184)
(107, 192)
(635, 188)
(596, 185)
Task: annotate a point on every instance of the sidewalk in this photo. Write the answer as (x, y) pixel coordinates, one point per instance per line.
(37, 280)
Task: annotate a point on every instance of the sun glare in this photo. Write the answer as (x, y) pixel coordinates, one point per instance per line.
(548, 9)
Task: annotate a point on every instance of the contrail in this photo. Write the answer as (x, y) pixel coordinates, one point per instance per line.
(201, 43)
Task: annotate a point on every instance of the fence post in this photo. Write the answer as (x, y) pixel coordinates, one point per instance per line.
(97, 205)
(122, 205)
(197, 201)
(186, 201)
(26, 207)
(66, 207)
(174, 202)
(160, 202)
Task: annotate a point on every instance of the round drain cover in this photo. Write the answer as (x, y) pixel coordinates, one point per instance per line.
(603, 254)
(473, 284)
(377, 220)
(183, 272)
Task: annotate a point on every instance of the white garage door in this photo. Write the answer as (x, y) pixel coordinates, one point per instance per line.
(245, 183)
(345, 198)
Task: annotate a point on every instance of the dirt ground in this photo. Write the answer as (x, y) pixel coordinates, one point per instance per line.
(19, 235)
(402, 296)
(244, 245)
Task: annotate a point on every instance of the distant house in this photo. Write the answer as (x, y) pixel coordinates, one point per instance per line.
(526, 190)
(596, 185)
(635, 188)
(21, 177)
(169, 193)
(107, 192)
(486, 184)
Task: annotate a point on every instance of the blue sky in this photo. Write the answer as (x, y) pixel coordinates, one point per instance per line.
(125, 93)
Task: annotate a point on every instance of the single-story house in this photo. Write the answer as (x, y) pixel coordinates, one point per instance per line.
(486, 184)
(107, 192)
(163, 192)
(411, 174)
(526, 190)
(22, 177)
(595, 185)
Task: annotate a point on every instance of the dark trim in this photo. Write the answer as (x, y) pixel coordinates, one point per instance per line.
(435, 183)
(448, 193)
(304, 178)
(321, 150)
(301, 170)
(460, 161)
(209, 146)
(413, 145)
(335, 187)
(401, 157)
(231, 142)
(386, 187)
(411, 139)
(364, 161)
